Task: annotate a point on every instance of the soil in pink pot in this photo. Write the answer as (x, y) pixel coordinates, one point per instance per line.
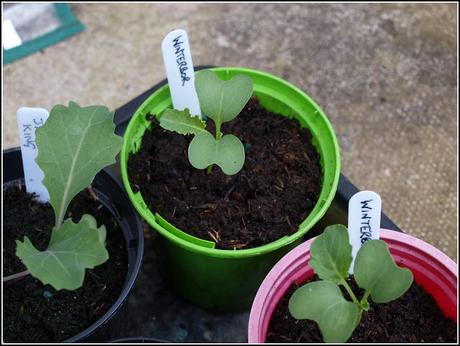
(414, 317)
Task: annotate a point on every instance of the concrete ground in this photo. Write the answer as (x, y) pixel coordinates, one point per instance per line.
(385, 74)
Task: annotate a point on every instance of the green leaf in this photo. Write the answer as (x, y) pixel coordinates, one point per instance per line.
(323, 302)
(182, 122)
(72, 248)
(73, 146)
(228, 152)
(376, 271)
(222, 100)
(93, 224)
(331, 254)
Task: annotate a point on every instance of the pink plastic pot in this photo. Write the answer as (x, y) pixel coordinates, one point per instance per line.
(432, 269)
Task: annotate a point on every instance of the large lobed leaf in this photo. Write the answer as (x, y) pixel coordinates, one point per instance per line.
(222, 100)
(331, 254)
(227, 152)
(182, 122)
(73, 146)
(72, 248)
(376, 271)
(323, 302)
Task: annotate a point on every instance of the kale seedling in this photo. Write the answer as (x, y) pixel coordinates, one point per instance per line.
(73, 145)
(374, 271)
(221, 101)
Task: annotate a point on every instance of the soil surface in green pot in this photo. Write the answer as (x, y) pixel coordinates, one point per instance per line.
(34, 312)
(414, 317)
(275, 191)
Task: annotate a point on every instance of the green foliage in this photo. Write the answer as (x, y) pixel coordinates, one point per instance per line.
(322, 301)
(72, 248)
(228, 152)
(74, 144)
(331, 254)
(220, 101)
(336, 316)
(182, 122)
(389, 281)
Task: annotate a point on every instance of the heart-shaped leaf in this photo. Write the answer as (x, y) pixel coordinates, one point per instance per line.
(74, 144)
(182, 122)
(228, 152)
(72, 248)
(376, 271)
(323, 302)
(222, 100)
(331, 254)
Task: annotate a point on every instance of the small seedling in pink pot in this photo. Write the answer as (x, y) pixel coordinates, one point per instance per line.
(322, 301)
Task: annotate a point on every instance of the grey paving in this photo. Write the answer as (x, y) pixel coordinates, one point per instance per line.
(385, 74)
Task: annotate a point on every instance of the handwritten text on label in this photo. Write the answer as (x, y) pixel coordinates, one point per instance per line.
(178, 63)
(29, 119)
(364, 210)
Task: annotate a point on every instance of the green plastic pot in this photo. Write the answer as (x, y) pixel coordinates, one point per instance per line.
(227, 280)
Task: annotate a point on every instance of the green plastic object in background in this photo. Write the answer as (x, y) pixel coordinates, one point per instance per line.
(69, 25)
(227, 280)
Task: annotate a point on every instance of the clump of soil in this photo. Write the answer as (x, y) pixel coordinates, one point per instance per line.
(34, 312)
(275, 191)
(414, 317)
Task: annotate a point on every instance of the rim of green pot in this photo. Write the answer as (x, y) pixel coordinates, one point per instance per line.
(133, 137)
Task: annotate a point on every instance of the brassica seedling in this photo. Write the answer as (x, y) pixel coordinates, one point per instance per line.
(323, 302)
(73, 145)
(221, 101)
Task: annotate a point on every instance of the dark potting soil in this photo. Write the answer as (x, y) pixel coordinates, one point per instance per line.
(34, 312)
(274, 192)
(414, 317)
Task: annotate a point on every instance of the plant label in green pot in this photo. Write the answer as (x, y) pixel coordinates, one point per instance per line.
(177, 59)
(73, 145)
(232, 193)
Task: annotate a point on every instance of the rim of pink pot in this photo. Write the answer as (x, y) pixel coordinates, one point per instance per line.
(432, 269)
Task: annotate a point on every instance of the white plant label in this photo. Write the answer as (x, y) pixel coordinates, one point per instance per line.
(179, 70)
(29, 119)
(364, 210)
(10, 37)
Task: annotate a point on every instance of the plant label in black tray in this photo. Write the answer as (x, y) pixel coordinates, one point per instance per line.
(73, 145)
(177, 58)
(29, 119)
(364, 210)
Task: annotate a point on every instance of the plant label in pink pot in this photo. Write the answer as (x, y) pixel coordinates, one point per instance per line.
(364, 210)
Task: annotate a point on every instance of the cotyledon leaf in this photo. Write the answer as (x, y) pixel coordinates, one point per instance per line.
(222, 100)
(74, 144)
(228, 152)
(376, 271)
(72, 248)
(182, 122)
(323, 302)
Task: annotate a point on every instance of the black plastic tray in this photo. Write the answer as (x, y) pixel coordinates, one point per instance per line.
(153, 311)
